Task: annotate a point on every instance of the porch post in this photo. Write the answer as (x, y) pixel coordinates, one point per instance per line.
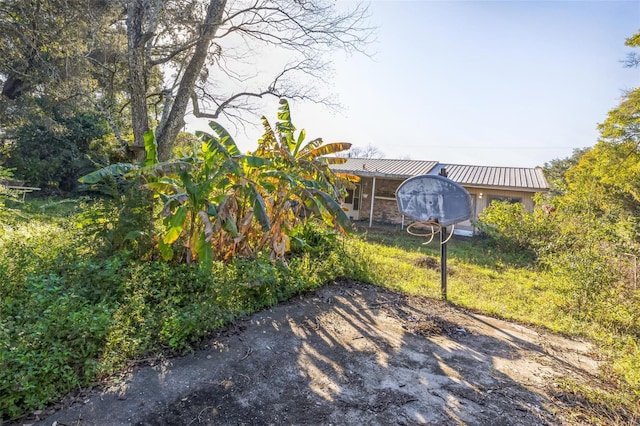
(373, 196)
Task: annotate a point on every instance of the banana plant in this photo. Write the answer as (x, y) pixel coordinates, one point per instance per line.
(218, 203)
(300, 177)
(127, 171)
(211, 206)
(119, 181)
(307, 164)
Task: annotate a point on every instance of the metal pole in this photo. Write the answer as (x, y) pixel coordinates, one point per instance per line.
(373, 195)
(443, 262)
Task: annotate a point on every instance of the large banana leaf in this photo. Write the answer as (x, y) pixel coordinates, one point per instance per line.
(310, 202)
(268, 140)
(330, 148)
(214, 144)
(165, 186)
(206, 223)
(175, 225)
(335, 160)
(284, 113)
(167, 168)
(347, 176)
(203, 135)
(285, 127)
(254, 161)
(299, 142)
(113, 170)
(204, 251)
(165, 250)
(171, 202)
(225, 139)
(309, 147)
(151, 148)
(334, 209)
(280, 175)
(229, 226)
(259, 207)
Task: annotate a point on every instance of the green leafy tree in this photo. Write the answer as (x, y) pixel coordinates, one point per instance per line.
(62, 53)
(586, 241)
(52, 152)
(149, 61)
(555, 170)
(204, 50)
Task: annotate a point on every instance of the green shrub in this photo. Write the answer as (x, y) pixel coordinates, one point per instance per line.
(50, 339)
(53, 152)
(513, 229)
(313, 237)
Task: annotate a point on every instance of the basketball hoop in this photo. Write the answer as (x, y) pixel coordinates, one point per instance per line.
(434, 201)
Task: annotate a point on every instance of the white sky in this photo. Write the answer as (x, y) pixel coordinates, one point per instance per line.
(505, 83)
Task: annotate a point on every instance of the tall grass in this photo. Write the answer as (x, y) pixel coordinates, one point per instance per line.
(511, 285)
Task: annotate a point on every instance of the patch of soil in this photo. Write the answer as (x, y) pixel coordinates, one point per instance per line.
(433, 263)
(429, 262)
(351, 354)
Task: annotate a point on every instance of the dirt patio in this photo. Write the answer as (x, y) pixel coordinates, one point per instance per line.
(350, 354)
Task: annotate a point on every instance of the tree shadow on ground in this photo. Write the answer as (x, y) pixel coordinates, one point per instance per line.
(356, 354)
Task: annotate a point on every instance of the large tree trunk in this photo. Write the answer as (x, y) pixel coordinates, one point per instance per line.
(136, 12)
(168, 131)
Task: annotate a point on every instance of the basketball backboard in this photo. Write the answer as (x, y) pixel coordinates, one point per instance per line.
(434, 198)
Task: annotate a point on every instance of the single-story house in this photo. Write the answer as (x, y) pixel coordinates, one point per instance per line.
(374, 197)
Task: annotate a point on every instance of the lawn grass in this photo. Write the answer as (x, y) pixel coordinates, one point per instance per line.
(513, 287)
(480, 277)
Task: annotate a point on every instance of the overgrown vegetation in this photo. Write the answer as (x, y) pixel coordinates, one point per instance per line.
(52, 152)
(217, 203)
(70, 315)
(585, 239)
(89, 286)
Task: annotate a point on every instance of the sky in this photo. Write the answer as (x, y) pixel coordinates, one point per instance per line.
(495, 83)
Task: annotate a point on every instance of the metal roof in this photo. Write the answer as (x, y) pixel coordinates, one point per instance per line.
(384, 167)
(523, 179)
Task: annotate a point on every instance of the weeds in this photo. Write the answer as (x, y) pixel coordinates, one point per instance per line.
(70, 314)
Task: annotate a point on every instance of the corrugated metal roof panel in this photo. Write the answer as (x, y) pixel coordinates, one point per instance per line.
(509, 177)
(525, 179)
(385, 167)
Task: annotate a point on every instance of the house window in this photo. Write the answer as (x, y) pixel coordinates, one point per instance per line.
(349, 198)
(511, 200)
(353, 197)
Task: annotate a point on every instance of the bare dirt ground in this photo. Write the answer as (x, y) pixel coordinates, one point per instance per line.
(351, 354)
